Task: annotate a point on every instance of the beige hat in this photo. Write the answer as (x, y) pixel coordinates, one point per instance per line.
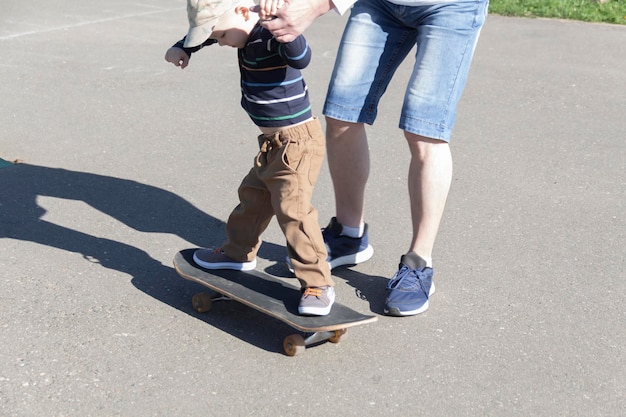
(203, 15)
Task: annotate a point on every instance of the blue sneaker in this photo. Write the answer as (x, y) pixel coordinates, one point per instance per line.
(345, 250)
(410, 288)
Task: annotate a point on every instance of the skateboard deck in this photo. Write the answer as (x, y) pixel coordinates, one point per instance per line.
(271, 296)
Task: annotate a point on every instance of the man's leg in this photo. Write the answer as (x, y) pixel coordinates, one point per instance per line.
(430, 175)
(349, 165)
(446, 43)
(346, 235)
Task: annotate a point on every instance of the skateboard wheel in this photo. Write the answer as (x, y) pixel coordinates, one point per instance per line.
(202, 302)
(294, 345)
(337, 336)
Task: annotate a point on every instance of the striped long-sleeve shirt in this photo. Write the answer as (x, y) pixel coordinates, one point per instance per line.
(273, 90)
(274, 93)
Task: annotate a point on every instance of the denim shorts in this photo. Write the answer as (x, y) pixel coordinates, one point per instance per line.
(378, 37)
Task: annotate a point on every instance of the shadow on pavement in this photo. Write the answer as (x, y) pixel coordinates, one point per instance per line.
(142, 207)
(370, 288)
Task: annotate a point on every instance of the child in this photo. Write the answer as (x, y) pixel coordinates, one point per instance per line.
(292, 147)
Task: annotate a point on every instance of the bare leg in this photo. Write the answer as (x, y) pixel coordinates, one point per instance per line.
(349, 165)
(430, 175)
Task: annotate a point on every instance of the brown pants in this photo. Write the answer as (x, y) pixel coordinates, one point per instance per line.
(281, 183)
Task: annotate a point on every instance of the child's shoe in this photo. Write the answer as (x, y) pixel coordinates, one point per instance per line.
(316, 301)
(214, 258)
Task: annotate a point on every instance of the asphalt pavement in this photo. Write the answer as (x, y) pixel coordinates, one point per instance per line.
(125, 160)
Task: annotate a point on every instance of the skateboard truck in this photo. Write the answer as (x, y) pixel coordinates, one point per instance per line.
(203, 302)
(295, 344)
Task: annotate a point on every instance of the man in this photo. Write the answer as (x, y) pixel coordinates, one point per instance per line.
(385, 31)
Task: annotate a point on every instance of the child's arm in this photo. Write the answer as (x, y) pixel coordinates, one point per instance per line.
(297, 53)
(179, 55)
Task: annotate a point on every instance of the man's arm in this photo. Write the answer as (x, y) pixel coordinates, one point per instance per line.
(295, 16)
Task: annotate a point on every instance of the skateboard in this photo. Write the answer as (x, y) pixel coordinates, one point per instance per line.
(271, 296)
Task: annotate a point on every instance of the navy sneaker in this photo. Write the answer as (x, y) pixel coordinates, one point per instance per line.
(410, 288)
(345, 250)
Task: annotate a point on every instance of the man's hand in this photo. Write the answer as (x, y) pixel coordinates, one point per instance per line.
(177, 57)
(294, 17)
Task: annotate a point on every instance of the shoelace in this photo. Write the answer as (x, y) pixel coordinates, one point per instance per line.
(405, 278)
(218, 251)
(313, 292)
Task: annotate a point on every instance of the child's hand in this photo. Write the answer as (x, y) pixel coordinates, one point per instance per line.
(177, 57)
(267, 8)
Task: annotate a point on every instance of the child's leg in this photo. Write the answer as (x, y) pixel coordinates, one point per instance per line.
(292, 170)
(249, 219)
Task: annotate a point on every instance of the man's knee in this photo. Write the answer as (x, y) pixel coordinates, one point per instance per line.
(422, 145)
(336, 129)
